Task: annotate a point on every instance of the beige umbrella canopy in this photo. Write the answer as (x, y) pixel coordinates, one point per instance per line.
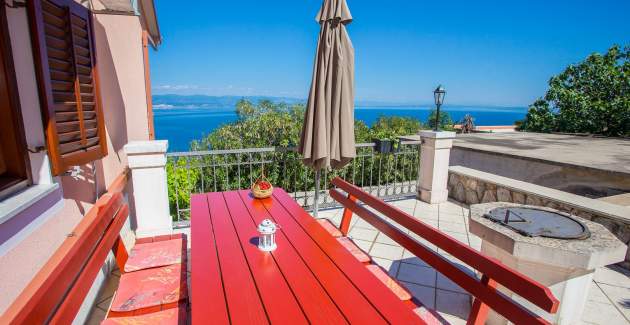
(327, 139)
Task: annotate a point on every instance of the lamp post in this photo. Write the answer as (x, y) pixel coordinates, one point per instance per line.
(439, 93)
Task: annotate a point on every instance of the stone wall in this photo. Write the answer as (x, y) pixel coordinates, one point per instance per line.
(470, 186)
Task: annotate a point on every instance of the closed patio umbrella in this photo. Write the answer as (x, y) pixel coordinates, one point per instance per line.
(327, 139)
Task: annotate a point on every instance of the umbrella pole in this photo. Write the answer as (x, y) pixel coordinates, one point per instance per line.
(316, 206)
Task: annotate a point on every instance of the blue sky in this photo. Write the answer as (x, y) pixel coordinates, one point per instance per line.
(484, 52)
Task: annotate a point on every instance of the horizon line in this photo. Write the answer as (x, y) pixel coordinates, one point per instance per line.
(376, 103)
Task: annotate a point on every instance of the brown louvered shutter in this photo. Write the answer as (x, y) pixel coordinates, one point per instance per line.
(65, 56)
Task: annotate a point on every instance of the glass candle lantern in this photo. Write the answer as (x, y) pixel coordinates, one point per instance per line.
(267, 238)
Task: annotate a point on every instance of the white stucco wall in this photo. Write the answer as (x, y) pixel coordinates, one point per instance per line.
(120, 66)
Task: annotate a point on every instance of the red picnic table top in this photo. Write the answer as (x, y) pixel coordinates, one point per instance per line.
(309, 278)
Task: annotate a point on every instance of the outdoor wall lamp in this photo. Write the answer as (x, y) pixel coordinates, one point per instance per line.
(267, 238)
(439, 93)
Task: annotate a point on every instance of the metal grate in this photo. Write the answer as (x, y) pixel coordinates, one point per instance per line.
(533, 222)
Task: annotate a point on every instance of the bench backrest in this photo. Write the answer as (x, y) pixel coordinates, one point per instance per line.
(492, 270)
(57, 291)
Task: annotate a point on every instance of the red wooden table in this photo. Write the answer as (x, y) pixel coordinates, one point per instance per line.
(309, 278)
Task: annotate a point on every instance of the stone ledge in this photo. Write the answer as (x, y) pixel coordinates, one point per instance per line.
(593, 206)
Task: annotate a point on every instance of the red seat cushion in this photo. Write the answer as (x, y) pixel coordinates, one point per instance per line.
(159, 238)
(330, 227)
(155, 254)
(150, 290)
(354, 249)
(164, 317)
(392, 284)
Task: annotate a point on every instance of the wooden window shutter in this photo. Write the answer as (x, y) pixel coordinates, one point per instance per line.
(68, 82)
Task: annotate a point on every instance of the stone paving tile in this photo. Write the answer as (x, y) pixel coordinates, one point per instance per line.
(452, 303)
(431, 222)
(614, 276)
(389, 252)
(336, 220)
(360, 223)
(602, 313)
(619, 296)
(424, 242)
(363, 233)
(383, 239)
(405, 203)
(450, 207)
(424, 294)
(446, 284)
(449, 227)
(405, 208)
(409, 258)
(463, 238)
(364, 245)
(426, 215)
(452, 320)
(389, 265)
(425, 206)
(448, 218)
(417, 274)
(596, 294)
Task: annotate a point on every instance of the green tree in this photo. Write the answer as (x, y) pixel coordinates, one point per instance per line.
(182, 181)
(592, 96)
(446, 123)
(267, 124)
(390, 127)
(540, 117)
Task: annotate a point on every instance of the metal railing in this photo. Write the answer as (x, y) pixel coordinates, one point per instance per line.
(387, 175)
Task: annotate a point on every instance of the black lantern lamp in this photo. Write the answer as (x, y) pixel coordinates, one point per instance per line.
(439, 93)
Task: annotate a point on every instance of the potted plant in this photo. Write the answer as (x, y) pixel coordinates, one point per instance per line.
(384, 141)
(382, 145)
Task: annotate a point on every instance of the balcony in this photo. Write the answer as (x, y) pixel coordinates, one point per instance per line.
(390, 176)
(607, 301)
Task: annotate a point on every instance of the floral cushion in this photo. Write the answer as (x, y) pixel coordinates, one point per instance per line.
(392, 284)
(155, 254)
(150, 290)
(356, 251)
(330, 228)
(172, 316)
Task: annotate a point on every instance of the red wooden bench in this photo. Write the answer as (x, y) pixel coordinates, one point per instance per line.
(155, 290)
(493, 272)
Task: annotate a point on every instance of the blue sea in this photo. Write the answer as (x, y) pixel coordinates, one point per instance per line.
(182, 125)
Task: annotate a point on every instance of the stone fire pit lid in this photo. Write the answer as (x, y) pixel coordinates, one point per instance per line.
(600, 249)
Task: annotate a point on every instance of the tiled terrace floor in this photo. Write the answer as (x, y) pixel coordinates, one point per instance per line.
(608, 300)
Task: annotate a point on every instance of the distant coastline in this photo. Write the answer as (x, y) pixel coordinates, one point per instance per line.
(182, 119)
(171, 101)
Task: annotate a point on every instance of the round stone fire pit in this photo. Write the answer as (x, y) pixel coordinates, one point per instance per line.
(559, 250)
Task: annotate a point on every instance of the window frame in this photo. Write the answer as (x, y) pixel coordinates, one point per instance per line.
(20, 159)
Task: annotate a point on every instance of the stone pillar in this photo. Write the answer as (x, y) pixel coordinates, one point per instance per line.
(434, 161)
(147, 161)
